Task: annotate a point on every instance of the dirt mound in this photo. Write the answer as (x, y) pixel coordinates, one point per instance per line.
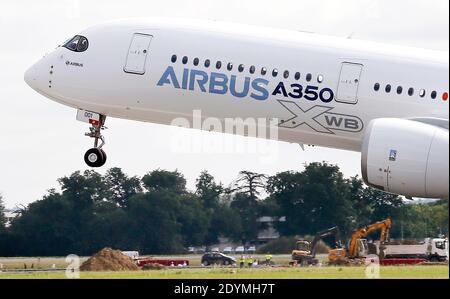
(109, 260)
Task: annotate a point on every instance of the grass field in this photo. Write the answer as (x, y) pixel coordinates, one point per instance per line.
(417, 272)
(401, 272)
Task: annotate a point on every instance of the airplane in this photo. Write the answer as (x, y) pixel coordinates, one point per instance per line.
(389, 103)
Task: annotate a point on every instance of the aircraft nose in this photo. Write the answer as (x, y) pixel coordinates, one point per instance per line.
(31, 77)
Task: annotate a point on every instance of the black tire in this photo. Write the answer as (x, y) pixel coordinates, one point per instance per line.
(94, 158)
(105, 157)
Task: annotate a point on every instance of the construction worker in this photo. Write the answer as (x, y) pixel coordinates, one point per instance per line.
(269, 259)
(250, 262)
(242, 262)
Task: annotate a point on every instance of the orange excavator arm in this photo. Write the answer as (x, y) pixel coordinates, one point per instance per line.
(384, 226)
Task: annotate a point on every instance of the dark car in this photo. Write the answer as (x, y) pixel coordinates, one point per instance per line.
(215, 258)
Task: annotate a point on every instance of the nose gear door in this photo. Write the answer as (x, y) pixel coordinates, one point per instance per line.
(138, 54)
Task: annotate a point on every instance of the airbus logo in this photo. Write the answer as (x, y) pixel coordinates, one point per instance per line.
(216, 83)
(320, 118)
(255, 88)
(68, 63)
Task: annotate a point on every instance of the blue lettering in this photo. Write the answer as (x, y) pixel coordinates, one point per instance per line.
(201, 81)
(259, 85)
(185, 78)
(169, 77)
(242, 94)
(218, 84)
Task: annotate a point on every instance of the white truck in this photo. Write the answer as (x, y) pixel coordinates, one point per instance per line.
(131, 254)
(433, 250)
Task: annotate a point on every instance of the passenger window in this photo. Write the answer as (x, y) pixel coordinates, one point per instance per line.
(185, 60)
(320, 79)
(399, 90)
(422, 93)
(388, 88)
(218, 65)
(252, 69)
(434, 95)
(377, 87)
(264, 71)
(411, 92)
(297, 76)
(230, 66)
(196, 61)
(286, 74)
(207, 63)
(309, 77)
(174, 58)
(275, 73)
(241, 68)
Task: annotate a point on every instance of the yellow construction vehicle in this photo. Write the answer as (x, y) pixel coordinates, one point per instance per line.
(305, 253)
(358, 246)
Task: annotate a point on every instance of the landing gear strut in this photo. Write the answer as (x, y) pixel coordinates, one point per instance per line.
(96, 157)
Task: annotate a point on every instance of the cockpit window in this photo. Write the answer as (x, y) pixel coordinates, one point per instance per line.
(77, 44)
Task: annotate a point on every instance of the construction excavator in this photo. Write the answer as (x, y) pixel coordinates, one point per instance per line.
(305, 253)
(358, 247)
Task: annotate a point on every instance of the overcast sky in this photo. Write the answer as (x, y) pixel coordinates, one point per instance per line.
(41, 141)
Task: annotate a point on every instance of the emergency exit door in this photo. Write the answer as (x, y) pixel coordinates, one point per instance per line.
(349, 81)
(138, 54)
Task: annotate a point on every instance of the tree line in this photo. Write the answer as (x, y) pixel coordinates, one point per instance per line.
(157, 214)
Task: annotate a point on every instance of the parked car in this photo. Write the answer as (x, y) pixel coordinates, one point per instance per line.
(240, 250)
(215, 258)
(215, 249)
(251, 250)
(201, 250)
(228, 250)
(191, 250)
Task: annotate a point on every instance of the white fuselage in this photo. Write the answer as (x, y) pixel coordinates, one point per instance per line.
(97, 79)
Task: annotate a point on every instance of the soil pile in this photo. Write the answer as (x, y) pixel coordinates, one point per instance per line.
(109, 260)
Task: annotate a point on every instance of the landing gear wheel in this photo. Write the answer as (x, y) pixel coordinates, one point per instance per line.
(105, 157)
(95, 158)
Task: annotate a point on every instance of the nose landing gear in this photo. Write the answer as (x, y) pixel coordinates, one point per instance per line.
(96, 157)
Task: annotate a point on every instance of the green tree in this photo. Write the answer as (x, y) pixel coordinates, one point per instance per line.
(418, 221)
(313, 200)
(246, 207)
(2, 215)
(372, 205)
(84, 189)
(194, 221)
(48, 226)
(209, 191)
(153, 223)
(120, 188)
(159, 180)
(250, 183)
(106, 226)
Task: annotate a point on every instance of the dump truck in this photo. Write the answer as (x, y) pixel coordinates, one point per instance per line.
(431, 250)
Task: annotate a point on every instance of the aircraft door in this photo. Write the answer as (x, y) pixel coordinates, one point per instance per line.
(138, 54)
(349, 80)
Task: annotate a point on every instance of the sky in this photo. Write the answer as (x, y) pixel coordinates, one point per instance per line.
(40, 141)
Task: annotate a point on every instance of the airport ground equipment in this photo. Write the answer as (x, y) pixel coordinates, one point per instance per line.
(305, 253)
